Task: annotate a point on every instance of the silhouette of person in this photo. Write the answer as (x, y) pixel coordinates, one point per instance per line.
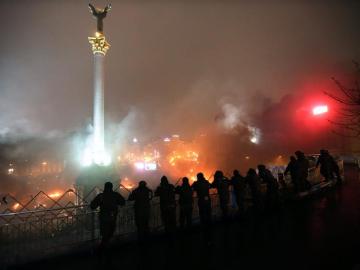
(239, 186)
(254, 183)
(326, 165)
(108, 201)
(166, 192)
(201, 186)
(222, 185)
(142, 196)
(335, 169)
(302, 171)
(292, 168)
(272, 187)
(186, 203)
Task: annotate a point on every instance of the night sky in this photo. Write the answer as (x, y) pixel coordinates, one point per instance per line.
(172, 65)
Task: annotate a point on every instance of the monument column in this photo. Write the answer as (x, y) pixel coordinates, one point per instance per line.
(99, 47)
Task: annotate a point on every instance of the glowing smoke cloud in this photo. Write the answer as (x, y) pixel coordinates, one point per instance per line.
(255, 134)
(97, 156)
(232, 117)
(117, 134)
(120, 133)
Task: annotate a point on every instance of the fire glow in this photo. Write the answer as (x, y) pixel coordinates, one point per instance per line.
(55, 195)
(16, 206)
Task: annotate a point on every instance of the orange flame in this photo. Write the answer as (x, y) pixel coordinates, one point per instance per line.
(55, 195)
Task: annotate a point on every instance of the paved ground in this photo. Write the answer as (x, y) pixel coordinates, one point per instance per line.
(322, 232)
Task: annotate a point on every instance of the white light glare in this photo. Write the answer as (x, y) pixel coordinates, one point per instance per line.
(147, 166)
(95, 157)
(320, 110)
(254, 134)
(139, 165)
(150, 166)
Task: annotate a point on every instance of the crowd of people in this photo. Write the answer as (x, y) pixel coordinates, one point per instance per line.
(298, 167)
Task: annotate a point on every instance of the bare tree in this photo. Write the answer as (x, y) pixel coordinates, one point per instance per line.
(347, 122)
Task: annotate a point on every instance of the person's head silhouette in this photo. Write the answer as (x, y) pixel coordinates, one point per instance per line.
(200, 176)
(185, 181)
(108, 186)
(142, 184)
(164, 181)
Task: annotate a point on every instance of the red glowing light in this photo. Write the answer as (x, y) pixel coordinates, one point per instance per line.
(320, 110)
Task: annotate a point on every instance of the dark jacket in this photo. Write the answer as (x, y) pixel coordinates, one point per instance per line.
(201, 187)
(326, 164)
(239, 184)
(269, 180)
(255, 186)
(185, 195)
(222, 185)
(292, 168)
(302, 168)
(108, 202)
(142, 197)
(166, 192)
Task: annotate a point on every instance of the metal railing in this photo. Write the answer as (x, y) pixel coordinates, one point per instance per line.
(30, 233)
(33, 234)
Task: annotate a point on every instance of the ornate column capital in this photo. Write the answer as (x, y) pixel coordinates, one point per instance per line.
(99, 43)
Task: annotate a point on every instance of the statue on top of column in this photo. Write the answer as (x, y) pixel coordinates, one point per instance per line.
(99, 14)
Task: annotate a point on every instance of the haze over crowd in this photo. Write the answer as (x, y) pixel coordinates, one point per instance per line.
(226, 65)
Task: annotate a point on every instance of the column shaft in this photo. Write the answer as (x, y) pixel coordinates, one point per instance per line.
(98, 117)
